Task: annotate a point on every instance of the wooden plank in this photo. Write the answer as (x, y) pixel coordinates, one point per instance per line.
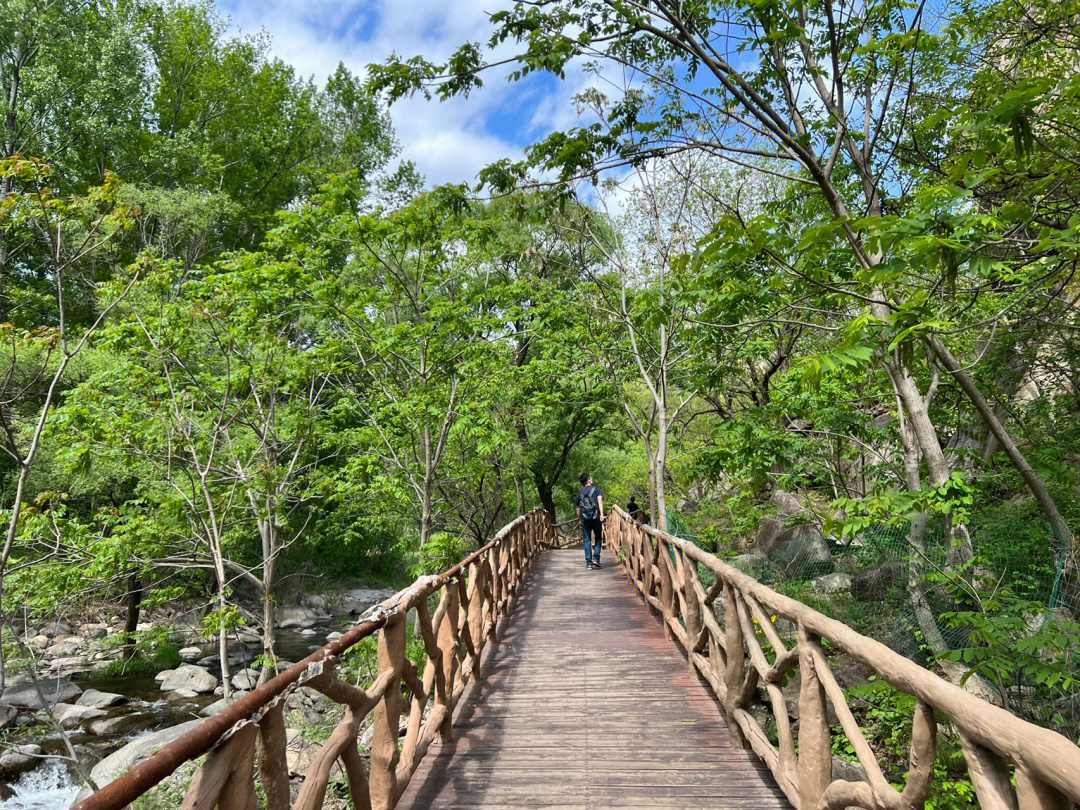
(585, 704)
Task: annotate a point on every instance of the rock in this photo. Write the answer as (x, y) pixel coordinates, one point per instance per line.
(190, 621)
(847, 770)
(832, 583)
(67, 648)
(143, 627)
(871, 584)
(7, 714)
(94, 630)
(53, 629)
(800, 551)
(787, 503)
(19, 758)
(25, 696)
(190, 678)
(100, 700)
(72, 715)
(750, 563)
(192, 654)
(183, 694)
(296, 616)
(40, 641)
(315, 602)
(307, 631)
(109, 726)
(248, 637)
(245, 679)
(367, 737)
(767, 532)
(334, 636)
(219, 705)
(358, 600)
(120, 762)
(299, 753)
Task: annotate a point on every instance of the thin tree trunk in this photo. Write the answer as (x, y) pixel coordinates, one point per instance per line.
(131, 620)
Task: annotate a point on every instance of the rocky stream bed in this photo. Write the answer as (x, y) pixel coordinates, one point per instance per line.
(113, 722)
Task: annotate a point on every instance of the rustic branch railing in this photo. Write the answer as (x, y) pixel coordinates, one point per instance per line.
(1013, 765)
(249, 735)
(566, 534)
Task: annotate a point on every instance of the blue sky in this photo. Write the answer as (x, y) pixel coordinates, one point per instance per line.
(451, 141)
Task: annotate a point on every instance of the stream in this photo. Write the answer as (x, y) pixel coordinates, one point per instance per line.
(53, 785)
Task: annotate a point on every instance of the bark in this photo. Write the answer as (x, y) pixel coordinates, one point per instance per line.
(547, 495)
(1034, 481)
(131, 621)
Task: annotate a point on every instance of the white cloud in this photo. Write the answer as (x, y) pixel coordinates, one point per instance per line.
(449, 141)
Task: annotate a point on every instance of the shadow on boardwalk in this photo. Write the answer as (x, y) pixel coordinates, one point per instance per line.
(585, 704)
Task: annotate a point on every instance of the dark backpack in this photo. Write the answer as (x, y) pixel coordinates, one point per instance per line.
(588, 504)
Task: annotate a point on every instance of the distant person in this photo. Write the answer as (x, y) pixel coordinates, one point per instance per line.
(633, 509)
(590, 508)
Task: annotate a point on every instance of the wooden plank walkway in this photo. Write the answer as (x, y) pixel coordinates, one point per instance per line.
(585, 704)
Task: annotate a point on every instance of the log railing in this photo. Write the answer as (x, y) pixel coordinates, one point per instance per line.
(248, 737)
(736, 647)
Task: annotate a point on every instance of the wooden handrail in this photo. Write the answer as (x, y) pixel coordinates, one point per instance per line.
(999, 747)
(475, 595)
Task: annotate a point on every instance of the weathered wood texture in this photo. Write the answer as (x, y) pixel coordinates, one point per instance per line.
(584, 703)
(729, 633)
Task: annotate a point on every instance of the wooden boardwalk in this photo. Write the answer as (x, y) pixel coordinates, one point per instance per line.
(584, 703)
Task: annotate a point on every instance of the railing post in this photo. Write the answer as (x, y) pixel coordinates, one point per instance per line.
(384, 744)
(733, 647)
(273, 770)
(815, 745)
(448, 647)
(667, 590)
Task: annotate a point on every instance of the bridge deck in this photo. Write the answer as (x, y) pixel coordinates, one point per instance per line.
(585, 704)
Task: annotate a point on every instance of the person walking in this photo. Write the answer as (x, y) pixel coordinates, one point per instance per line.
(590, 508)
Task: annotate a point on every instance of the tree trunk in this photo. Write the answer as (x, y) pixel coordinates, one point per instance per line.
(131, 621)
(547, 497)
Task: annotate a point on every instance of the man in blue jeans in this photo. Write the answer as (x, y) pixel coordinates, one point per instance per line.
(590, 508)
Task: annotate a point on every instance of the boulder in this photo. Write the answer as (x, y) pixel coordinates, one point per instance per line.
(120, 762)
(219, 705)
(787, 503)
(296, 616)
(183, 694)
(316, 602)
(72, 715)
(847, 770)
(800, 551)
(767, 532)
(190, 678)
(245, 679)
(94, 630)
(53, 629)
(838, 582)
(24, 695)
(16, 759)
(750, 563)
(299, 753)
(358, 600)
(871, 584)
(192, 654)
(100, 700)
(40, 641)
(66, 648)
(334, 636)
(307, 631)
(110, 726)
(7, 715)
